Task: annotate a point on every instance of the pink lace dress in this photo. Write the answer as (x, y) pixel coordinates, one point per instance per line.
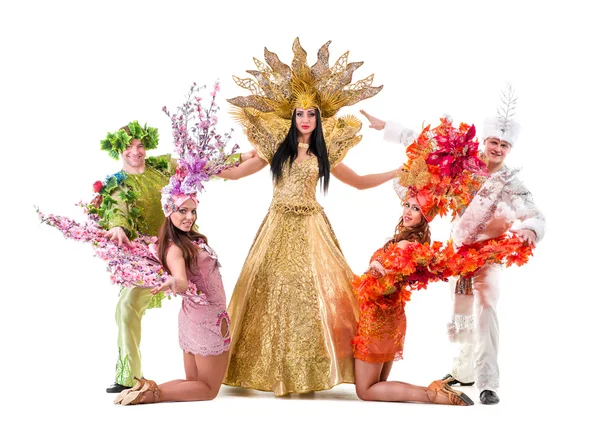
(202, 330)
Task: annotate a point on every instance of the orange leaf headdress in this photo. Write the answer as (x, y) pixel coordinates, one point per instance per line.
(443, 171)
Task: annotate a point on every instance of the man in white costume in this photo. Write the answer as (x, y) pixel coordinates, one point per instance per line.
(500, 202)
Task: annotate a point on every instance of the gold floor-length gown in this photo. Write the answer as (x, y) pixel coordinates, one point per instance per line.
(293, 313)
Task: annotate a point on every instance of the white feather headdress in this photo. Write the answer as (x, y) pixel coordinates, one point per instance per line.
(503, 126)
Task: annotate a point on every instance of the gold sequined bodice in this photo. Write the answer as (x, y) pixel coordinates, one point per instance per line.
(296, 190)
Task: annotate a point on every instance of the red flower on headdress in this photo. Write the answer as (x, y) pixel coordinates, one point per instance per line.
(457, 152)
(98, 186)
(443, 170)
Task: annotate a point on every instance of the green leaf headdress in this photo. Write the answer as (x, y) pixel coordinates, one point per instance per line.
(115, 143)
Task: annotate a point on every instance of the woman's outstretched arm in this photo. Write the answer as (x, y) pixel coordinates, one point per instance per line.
(348, 176)
(250, 166)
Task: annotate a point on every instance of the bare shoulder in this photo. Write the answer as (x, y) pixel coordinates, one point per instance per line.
(402, 244)
(174, 252)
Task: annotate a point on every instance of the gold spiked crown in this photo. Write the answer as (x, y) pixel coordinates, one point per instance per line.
(280, 89)
(265, 115)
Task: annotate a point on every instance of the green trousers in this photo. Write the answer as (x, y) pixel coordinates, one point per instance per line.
(133, 302)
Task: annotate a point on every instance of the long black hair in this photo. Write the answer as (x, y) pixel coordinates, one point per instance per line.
(288, 151)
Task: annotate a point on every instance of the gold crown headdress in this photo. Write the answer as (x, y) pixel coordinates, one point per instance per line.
(280, 89)
(265, 115)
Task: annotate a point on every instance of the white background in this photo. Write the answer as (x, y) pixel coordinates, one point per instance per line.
(71, 71)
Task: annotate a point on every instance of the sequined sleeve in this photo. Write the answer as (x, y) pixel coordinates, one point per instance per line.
(266, 141)
(527, 212)
(265, 152)
(340, 136)
(264, 132)
(338, 151)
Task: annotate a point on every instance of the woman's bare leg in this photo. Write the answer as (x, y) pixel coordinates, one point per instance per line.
(370, 388)
(191, 372)
(385, 371)
(210, 371)
(204, 375)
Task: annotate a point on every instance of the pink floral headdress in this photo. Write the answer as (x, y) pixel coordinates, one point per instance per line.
(200, 149)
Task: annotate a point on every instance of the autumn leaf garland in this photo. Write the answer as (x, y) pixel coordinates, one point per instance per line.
(415, 265)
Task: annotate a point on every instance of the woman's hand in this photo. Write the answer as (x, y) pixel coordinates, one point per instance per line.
(248, 155)
(169, 284)
(376, 269)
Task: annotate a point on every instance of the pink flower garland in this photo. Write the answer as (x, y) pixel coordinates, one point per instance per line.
(128, 266)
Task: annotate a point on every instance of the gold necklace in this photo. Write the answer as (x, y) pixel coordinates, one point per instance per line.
(303, 145)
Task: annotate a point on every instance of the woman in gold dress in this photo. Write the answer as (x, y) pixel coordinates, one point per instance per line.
(293, 312)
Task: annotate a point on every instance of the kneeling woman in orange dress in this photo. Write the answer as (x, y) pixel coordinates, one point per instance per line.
(441, 174)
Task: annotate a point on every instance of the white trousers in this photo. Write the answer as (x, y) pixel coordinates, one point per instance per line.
(474, 328)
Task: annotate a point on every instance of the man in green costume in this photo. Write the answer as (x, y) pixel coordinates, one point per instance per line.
(129, 202)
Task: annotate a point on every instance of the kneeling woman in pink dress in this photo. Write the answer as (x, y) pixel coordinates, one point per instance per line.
(203, 321)
(190, 262)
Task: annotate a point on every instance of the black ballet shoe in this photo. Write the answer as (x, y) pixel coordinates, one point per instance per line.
(116, 388)
(489, 397)
(451, 381)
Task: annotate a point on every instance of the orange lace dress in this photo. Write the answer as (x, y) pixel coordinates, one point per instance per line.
(381, 323)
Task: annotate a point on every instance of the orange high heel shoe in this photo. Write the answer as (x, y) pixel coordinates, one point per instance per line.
(137, 396)
(139, 383)
(456, 398)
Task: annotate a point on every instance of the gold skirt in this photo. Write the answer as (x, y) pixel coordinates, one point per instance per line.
(293, 312)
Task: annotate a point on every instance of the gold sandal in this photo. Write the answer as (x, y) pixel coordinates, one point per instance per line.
(455, 397)
(137, 396)
(139, 383)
